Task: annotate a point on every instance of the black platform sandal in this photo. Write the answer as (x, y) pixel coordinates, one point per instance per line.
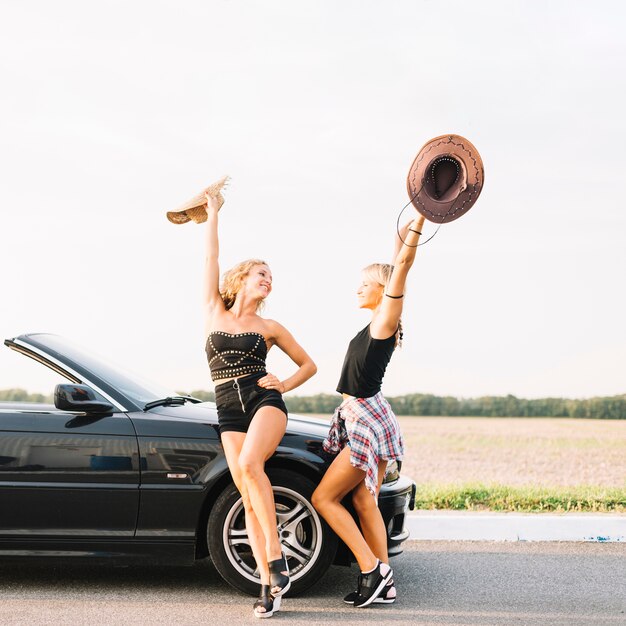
(267, 604)
(280, 583)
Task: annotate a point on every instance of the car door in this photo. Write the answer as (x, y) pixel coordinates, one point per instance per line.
(180, 453)
(65, 474)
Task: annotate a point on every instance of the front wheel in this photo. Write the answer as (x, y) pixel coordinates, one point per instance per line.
(307, 541)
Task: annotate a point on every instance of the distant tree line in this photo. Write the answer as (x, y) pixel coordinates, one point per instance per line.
(21, 395)
(611, 407)
(205, 396)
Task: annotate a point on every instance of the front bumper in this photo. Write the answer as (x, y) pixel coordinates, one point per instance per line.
(395, 501)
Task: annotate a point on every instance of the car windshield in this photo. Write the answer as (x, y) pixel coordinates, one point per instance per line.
(127, 383)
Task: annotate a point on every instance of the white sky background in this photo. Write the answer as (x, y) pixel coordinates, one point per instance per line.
(113, 113)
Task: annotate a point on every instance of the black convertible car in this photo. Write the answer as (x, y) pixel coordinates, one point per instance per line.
(118, 469)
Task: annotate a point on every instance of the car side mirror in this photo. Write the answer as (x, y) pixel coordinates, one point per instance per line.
(79, 398)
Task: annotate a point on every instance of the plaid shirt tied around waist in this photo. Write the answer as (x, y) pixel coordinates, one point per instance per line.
(371, 429)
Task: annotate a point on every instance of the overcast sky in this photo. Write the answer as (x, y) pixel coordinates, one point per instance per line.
(113, 113)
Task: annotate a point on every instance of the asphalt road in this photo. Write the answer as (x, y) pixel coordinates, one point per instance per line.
(452, 583)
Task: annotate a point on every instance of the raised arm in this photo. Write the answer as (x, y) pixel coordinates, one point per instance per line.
(211, 298)
(306, 367)
(386, 322)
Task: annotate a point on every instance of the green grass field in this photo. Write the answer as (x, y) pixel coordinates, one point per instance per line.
(530, 499)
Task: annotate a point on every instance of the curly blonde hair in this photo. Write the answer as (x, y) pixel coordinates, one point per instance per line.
(381, 273)
(233, 279)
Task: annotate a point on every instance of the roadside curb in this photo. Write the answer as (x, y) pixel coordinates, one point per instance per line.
(480, 526)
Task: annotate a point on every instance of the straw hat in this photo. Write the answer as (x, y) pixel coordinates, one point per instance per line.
(195, 209)
(445, 178)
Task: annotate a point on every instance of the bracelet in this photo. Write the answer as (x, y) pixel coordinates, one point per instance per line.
(415, 231)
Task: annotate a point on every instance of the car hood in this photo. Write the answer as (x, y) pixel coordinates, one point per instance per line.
(206, 412)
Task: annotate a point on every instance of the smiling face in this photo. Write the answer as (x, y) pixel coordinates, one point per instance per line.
(258, 283)
(370, 293)
(252, 277)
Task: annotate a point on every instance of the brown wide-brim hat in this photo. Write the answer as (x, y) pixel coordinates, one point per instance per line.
(194, 210)
(445, 178)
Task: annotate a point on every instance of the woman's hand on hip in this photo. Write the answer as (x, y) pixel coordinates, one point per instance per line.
(269, 381)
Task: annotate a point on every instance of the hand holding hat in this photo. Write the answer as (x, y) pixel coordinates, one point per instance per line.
(195, 210)
(445, 178)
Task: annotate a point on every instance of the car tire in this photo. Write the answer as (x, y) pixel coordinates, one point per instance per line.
(309, 544)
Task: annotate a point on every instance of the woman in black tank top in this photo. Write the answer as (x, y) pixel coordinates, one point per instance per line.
(364, 432)
(252, 416)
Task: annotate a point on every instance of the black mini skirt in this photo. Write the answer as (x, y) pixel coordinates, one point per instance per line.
(239, 400)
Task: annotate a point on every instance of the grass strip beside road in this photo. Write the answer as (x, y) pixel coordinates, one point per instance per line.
(521, 499)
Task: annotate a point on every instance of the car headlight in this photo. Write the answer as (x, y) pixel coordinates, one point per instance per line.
(407, 502)
(392, 472)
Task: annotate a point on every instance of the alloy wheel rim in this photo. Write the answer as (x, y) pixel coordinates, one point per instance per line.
(299, 531)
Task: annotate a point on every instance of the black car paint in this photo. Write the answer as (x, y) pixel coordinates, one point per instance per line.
(132, 484)
(62, 477)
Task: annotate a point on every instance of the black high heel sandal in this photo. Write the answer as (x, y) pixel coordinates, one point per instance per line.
(280, 583)
(267, 602)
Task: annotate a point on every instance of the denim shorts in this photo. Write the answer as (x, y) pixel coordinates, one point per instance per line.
(239, 400)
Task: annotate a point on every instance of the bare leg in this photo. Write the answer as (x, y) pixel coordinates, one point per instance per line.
(340, 479)
(370, 518)
(264, 434)
(232, 442)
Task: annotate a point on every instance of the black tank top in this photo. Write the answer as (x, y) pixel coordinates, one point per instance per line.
(365, 364)
(233, 355)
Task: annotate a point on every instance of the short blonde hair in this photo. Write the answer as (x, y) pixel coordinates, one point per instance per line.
(381, 273)
(233, 279)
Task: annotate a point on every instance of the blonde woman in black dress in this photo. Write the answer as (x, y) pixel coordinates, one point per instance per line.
(251, 412)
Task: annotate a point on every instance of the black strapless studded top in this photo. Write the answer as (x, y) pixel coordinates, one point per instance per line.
(235, 354)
